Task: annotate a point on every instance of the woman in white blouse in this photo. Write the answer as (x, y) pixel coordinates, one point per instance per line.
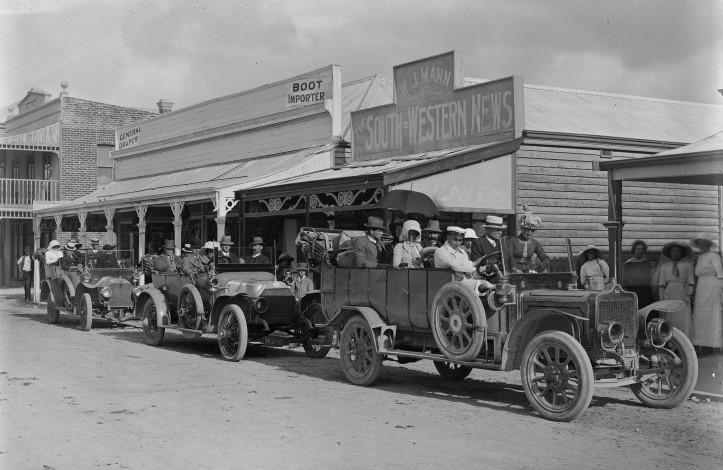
(408, 252)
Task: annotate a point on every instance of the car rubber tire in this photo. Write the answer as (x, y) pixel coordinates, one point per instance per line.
(457, 321)
(233, 333)
(686, 372)
(84, 310)
(152, 333)
(52, 313)
(360, 361)
(568, 360)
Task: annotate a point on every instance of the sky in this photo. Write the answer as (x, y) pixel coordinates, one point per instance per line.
(134, 52)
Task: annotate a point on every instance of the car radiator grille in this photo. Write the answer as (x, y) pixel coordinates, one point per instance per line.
(622, 310)
(121, 295)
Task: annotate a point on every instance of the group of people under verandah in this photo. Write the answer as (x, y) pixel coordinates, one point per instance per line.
(697, 281)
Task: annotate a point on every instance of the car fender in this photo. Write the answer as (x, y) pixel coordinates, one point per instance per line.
(534, 322)
(71, 288)
(195, 294)
(50, 290)
(346, 312)
(667, 306)
(154, 295)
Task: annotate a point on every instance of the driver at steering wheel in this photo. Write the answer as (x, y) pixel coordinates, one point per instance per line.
(452, 256)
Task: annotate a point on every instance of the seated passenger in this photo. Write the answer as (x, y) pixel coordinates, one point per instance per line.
(257, 257)
(166, 262)
(191, 263)
(109, 258)
(408, 252)
(225, 255)
(52, 259)
(368, 249)
(71, 257)
(451, 255)
(524, 246)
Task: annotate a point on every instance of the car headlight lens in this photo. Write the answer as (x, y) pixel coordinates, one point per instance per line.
(106, 292)
(261, 305)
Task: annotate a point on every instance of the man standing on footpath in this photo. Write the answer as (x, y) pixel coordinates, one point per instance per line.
(25, 264)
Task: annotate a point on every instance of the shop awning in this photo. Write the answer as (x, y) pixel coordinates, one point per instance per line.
(698, 163)
(416, 171)
(198, 183)
(45, 139)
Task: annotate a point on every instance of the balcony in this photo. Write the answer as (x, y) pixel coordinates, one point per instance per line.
(17, 196)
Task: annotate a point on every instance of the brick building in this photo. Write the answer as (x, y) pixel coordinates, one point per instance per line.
(52, 150)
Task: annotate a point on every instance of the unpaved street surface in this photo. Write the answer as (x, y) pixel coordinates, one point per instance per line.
(103, 399)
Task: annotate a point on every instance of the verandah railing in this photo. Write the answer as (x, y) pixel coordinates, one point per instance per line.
(22, 192)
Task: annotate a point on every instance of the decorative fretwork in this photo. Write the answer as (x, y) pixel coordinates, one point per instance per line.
(318, 201)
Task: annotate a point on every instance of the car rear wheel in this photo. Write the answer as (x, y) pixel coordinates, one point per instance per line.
(452, 371)
(677, 377)
(152, 333)
(315, 347)
(85, 312)
(458, 321)
(52, 313)
(233, 334)
(360, 361)
(557, 376)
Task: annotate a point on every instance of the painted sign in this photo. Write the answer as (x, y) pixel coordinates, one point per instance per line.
(259, 107)
(128, 137)
(432, 112)
(310, 89)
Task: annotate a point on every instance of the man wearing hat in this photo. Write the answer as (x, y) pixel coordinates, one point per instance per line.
(191, 263)
(285, 268)
(368, 249)
(166, 262)
(257, 257)
(108, 258)
(490, 243)
(224, 254)
(430, 234)
(71, 257)
(451, 255)
(25, 265)
(302, 282)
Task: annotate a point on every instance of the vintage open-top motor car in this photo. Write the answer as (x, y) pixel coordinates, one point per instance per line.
(564, 340)
(89, 291)
(240, 303)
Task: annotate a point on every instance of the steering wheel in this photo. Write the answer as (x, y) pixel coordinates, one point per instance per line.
(488, 266)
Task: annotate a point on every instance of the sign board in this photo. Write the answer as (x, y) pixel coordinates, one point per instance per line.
(256, 108)
(431, 111)
(481, 187)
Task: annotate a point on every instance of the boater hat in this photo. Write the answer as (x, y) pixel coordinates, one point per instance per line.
(493, 221)
(187, 248)
(469, 233)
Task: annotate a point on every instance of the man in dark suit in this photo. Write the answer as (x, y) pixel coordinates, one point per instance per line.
(490, 242)
(368, 249)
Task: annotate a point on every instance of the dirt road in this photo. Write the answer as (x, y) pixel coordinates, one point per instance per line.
(102, 399)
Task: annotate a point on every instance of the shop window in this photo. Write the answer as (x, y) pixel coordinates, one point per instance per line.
(30, 171)
(16, 171)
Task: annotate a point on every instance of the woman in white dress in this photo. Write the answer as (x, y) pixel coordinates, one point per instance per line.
(707, 308)
(408, 252)
(595, 272)
(676, 282)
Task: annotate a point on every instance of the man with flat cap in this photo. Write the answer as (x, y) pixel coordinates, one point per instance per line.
(368, 249)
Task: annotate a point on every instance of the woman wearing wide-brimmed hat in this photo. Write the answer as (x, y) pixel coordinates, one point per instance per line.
(408, 252)
(594, 272)
(707, 309)
(676, 282)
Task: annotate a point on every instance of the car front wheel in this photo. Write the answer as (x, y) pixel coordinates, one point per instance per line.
(677, 374)
(557, 376)
(85, 312)
(152, 333)
(233, 334)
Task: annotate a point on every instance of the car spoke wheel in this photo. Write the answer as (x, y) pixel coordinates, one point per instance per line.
(152, 333)
(677, 376)
(458, 322)
(557, 376)
(233, 335)
(316, 346)
(187, 311)
(452, 371)
(85, 311)
(52, 313)
(360, 361)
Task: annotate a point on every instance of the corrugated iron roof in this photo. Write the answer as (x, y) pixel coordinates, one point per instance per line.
(363, 93)
(711, 144)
